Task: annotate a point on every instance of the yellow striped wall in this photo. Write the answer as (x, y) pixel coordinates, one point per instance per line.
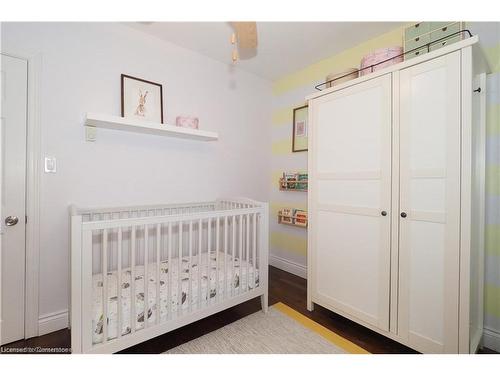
(350, 58)
(489, 34)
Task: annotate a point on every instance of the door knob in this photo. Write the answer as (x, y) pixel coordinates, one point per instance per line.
(383, 213)
(403, 214)
(11, 220)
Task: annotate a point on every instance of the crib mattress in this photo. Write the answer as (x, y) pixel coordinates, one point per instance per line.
(180, 294)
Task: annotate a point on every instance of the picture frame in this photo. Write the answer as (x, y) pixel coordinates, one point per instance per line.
(141, 99)
(300, 127)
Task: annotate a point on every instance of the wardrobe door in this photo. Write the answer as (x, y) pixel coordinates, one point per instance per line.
(430, 204)
(349, 201)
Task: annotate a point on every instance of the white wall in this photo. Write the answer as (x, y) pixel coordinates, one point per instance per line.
(82, 63)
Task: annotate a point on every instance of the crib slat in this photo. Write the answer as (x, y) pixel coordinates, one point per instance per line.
(119, 285)
(105, 285)
(224, 289)
(189, 297)
(158, 243)
(169, 270)
(110, 245)
(240, 252)
(179, 273)
(233, 254)
(247, 252)
(209, 268)
(132, 281)
(200, 230)
(85, 334)
(254, 248)
(217, 247)
(146, 274)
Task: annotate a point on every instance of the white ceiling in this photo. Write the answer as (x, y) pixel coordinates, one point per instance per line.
(283, 47)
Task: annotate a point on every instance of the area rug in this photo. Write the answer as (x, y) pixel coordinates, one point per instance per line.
(282, 330)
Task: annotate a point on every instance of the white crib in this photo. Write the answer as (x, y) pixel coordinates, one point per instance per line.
(206, 256)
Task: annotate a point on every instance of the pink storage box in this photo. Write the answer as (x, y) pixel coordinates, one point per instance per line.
(187, 122)
(378, 56)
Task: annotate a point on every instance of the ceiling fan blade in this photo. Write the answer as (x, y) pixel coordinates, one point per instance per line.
(246, 33)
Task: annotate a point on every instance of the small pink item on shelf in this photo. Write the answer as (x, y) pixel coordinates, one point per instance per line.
(187, 122)
(379, 56)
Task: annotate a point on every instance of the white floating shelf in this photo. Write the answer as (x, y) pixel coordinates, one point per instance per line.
(132, 125)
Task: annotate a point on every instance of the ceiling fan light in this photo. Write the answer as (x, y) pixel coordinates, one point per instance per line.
(246, 33)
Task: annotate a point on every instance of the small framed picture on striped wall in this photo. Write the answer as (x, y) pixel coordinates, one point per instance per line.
(299, 136)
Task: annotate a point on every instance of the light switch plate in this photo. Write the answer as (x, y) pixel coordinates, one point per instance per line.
(50, 165)
(90, 133)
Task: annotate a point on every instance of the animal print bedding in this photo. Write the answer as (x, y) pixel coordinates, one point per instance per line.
(180, 295)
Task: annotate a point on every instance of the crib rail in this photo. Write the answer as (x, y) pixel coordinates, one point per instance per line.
(109, 213)
(100, 213)
(187, 261)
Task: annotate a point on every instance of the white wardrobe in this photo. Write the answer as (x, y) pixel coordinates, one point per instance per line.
(396, 200)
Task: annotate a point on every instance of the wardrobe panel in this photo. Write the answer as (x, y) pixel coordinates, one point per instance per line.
(426, 281)
(351, 266)
(428, 194)
(350, 138)
(429, 148)
(350, 192)
(427, 124)
(349, 200)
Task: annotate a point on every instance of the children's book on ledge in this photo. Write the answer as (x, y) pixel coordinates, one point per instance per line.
(294, 181)
(292, 216)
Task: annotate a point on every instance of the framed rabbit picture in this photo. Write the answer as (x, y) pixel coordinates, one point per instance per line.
(141, 99)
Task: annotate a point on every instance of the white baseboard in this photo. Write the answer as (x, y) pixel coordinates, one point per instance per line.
(288, 266)
(52, 322)
(491, 339)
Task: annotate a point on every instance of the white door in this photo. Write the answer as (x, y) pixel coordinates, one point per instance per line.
(13, 186)
(350, 201)
(430, 204)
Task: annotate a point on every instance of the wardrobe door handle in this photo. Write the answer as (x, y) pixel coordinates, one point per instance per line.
(403, 214)
(383, 213)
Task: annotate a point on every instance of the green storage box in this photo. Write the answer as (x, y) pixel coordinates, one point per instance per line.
(445, 31)
(419, 41)
(418, 52)
(417, 29)
(422, 33)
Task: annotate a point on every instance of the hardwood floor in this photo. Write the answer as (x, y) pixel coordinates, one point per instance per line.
(283, 287)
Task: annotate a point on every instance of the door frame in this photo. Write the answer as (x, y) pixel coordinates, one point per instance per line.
(33, 178)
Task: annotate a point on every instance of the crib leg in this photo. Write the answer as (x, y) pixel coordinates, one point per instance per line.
(264, 302)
